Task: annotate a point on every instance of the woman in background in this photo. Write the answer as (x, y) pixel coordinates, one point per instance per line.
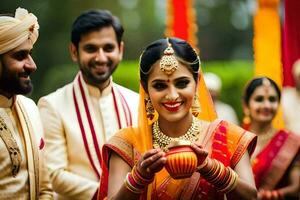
(276, 160)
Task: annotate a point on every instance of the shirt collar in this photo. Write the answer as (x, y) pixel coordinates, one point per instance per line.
(94, 91)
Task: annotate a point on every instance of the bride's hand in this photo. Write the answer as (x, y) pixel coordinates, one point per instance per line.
(200, 152)
(151, 162)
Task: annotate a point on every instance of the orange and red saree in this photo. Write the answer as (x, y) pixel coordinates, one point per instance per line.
(224, 141)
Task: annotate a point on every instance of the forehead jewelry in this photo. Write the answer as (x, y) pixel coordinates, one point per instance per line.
(267, 84)
(168, 63)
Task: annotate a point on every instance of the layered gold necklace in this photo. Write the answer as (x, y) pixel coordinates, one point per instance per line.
(160, 140)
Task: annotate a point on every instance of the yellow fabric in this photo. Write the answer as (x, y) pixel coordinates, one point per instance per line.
(207, 112)
(15, 30)
(267, 46)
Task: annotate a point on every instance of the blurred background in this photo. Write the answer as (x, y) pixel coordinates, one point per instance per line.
(225, 34)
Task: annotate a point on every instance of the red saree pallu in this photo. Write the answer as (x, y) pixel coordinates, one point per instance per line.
(271, 163)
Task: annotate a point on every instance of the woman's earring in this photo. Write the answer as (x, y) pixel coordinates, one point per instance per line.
(149, 108)
(196, 106)
(246, 120)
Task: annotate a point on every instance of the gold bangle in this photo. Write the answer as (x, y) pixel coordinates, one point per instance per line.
(203, 164)
(130, 187)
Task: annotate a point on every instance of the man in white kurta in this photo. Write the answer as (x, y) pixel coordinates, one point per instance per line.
(81, 116)
(23, 174)
(291, 102)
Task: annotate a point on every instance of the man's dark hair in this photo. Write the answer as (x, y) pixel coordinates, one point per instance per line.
(94, 20)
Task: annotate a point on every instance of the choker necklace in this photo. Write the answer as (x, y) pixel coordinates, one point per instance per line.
(266, 136)
(160, 140)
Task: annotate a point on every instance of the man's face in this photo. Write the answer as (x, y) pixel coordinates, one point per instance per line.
(16, 66)
(98, 55)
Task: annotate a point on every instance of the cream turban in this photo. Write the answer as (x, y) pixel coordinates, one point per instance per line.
(15, 30)
(212, 81)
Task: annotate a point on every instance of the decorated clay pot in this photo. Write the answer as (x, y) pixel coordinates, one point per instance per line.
(181, 159)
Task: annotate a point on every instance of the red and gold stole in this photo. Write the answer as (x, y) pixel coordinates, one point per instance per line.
(271, 163)
(86, 120)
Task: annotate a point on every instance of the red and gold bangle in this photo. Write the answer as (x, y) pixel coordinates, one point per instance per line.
(131, 187)
(139, 178)
(232, 183)
(223, 178)
(203, 164)
(133, 182)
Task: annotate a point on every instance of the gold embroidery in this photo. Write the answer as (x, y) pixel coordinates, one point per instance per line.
(12, 147)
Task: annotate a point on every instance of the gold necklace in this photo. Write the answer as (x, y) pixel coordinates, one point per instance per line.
(266, 136)
(160, 140)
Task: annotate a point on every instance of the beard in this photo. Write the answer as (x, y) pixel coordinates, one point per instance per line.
(11, 83)
(95, 78)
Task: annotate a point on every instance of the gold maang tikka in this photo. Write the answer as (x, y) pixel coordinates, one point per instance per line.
(168, 63)
(266, 82)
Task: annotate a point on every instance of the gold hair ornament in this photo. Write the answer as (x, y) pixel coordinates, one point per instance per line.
(168, 63)
(266, 82)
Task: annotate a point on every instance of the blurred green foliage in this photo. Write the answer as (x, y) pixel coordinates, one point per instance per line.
(234, 75)
(224, 33)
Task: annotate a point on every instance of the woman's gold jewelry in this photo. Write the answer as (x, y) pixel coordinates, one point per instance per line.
(169, 63)
(149, 108)
(266, 82)
(196, 109)
(160, 140)
(263, 138)
(246, 120)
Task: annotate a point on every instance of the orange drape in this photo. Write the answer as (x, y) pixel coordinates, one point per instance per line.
(267, 46)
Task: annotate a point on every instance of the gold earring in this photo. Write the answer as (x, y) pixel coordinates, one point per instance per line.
(149, 108)
(196, 106)
(246, 120)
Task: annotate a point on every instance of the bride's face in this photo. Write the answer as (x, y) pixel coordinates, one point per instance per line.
(171, 95)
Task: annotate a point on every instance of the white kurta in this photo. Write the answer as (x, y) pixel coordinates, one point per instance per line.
(72, 175)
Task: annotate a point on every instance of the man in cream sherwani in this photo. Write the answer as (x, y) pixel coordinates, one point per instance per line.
(81, 116)
(22, 171)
